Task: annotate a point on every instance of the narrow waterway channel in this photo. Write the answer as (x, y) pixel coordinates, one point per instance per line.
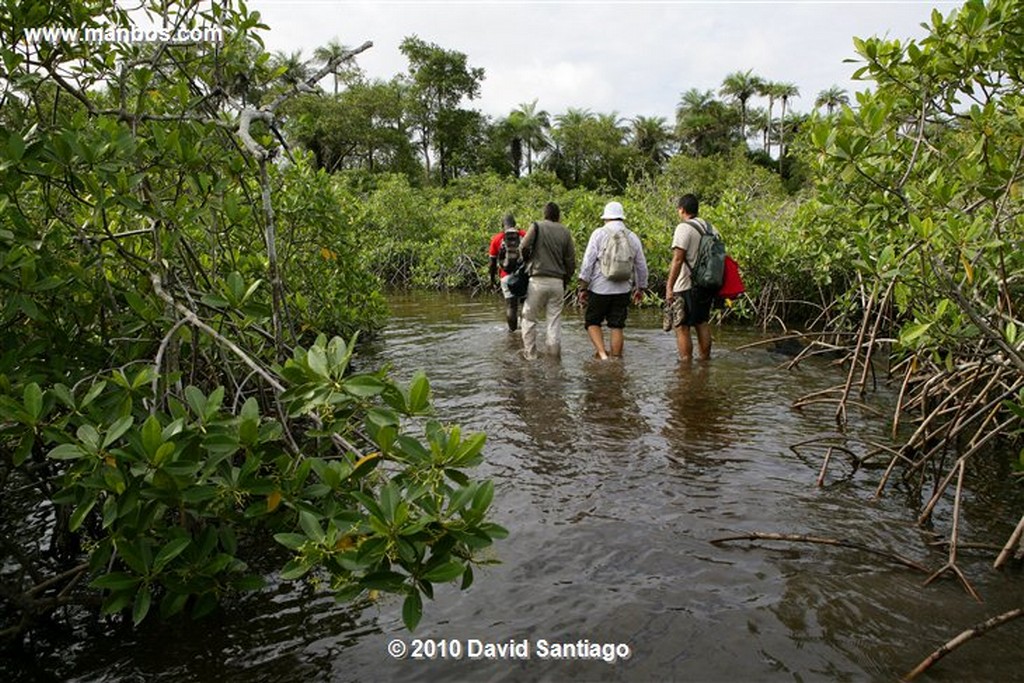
(613, 479)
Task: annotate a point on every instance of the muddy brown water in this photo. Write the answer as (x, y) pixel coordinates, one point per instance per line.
(613, 479)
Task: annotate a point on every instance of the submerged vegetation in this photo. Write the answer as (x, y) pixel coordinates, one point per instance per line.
(181, 288)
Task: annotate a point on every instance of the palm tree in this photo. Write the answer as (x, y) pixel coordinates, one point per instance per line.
(612, 128)
(741, 86)
(770, 90)
(652, 136)
(570, 134)
(294, 70)
(758, 122)
(786, 90)
(332, 51)
(832, 99)
(513, 128)
(704, 125)
(533, 126)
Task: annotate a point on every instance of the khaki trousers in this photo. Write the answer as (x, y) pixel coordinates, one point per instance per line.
(544, 295)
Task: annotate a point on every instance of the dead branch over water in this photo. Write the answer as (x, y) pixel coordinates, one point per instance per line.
(820, 540)
(965, 636)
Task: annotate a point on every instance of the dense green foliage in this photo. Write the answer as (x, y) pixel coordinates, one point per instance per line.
(177, 285)
(926, 173)
(168, 396)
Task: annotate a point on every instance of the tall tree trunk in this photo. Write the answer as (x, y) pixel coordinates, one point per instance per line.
(782, 134)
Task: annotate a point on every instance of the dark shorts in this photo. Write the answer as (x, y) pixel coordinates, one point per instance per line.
(606, 307)
(692, 307)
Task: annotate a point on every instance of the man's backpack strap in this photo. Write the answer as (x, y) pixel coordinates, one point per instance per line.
(694, 223)
(528, 257)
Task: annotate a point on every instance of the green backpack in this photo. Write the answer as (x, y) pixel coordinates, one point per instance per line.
(708, 271)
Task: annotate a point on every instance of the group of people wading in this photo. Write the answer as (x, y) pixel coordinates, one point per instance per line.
(613, 271)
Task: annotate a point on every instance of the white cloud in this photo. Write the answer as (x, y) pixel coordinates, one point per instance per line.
(634, 58)
(557, 87)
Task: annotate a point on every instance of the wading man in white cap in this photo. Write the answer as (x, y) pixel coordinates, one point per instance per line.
(613, 266)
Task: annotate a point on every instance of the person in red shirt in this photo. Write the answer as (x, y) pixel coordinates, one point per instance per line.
(505, 255)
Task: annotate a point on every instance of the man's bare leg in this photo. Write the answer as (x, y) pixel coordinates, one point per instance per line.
(596, 335)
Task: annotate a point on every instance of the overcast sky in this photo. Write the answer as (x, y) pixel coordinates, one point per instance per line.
(632, 58)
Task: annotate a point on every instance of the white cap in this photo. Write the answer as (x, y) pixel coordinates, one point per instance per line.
(613, 211)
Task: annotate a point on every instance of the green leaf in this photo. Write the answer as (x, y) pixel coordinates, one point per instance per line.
(363, 386)
(15, 147)
(115, 581)
(412, 610)
(316, 359)
(389, 498)
(24, 448)
(461, 497)
(162, 453)
(445, 572)
(385, 581)
(117, 602)
(213, 403)
(250, 410)
(151, 435)
(294, 569)
(311, 527)
(172, 603)
(170, 551)
(484, 496)
(221, 444)
(94, 391)
(248, 584)
(66, 451)
(495, 531)
(196, 400)
(291, 541)
(912, 332)
(63, 395)
(117, 430)
(340, 354)
(419, 394)
(88, 435)
(78, 516)
(198, 494)
(33, 400)
(143, 599)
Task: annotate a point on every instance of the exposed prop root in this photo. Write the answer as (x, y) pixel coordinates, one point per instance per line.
(1015, 539)
(842, 443)
(953, 411)
(800, 538)
(954, 537)
(973, 632)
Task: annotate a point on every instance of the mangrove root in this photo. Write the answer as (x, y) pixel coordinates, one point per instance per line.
(800, 538)
(970, 633)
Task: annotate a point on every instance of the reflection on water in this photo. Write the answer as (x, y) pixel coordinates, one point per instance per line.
(613, 477)
(701, 410)
(610, 413)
